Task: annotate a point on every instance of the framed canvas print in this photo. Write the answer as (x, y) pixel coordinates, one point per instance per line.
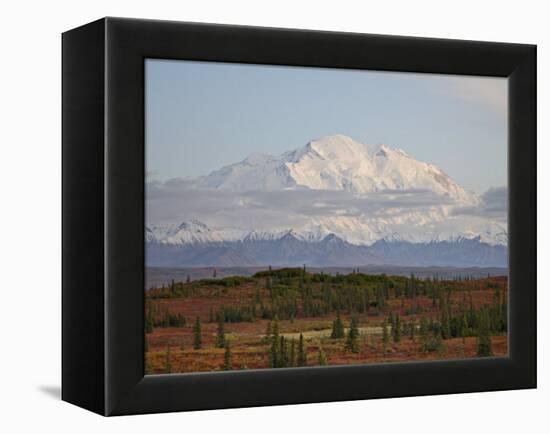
(258, 216)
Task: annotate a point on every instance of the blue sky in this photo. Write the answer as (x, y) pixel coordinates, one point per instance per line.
(204, 115)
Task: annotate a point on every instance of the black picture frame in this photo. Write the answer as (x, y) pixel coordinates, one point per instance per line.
(103, 215)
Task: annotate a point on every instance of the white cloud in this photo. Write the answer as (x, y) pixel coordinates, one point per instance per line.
(489, 91)
(493, 205)
(416, 215)
(173, 202)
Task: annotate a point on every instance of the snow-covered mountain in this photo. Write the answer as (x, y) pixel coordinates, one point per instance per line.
(189, 232)
(332, 201)
(336, 163)
(196, 232)
(290, 249)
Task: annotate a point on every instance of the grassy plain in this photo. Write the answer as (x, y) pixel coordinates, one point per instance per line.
(395, 319)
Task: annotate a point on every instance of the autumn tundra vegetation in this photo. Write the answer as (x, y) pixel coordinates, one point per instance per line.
(289, 317)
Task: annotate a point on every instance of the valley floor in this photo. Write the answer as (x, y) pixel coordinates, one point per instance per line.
(265, 321)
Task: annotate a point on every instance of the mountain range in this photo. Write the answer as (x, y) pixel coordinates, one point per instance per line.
(333, 201)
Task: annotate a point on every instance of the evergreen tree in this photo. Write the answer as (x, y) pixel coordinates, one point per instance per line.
(283, 356)
(430, 335)
(220, 335)
(396, 329)
(227, 356)
(197, 338)
(302, 354)
(385, 335)
(274, 359)
(268, 332)
(352, 340)
(412, 330)
(444, 307)
(337, 327)
(423, 329)
(188, 279)
(167, 361)
(292, 353)
(391, 321)
(321, 357)
(484, 347)
(463, 327)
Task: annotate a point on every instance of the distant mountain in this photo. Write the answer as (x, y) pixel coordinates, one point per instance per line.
(290, 250)
(190, 232)
(461, 252)
(336, 163)
(384, 207)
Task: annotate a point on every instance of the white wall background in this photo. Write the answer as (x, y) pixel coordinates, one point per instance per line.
(30, 215)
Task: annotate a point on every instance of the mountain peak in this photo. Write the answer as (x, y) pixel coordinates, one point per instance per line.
(339, 147)
(338, 163)
(332, 140)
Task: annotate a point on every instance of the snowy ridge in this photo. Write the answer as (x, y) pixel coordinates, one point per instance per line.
(336, 163)
(354, 233)
(289, 248)
(190, 232)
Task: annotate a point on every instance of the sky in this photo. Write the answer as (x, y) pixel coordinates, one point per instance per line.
(201, 116)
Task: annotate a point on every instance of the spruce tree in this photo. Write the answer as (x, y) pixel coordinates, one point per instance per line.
(423, 329)
(268, 332)
(274, 357)
(292, 353)
(283, 352)
(352, 340)
(463, 327)
(396, 329)
(385, 335)
(484, 347)
(445, 315)
(227, 356)
(220, 335)
(321, 357)
(167, 361)
(302, 354)
(337, 327)
(197, 338)
(391, 321)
